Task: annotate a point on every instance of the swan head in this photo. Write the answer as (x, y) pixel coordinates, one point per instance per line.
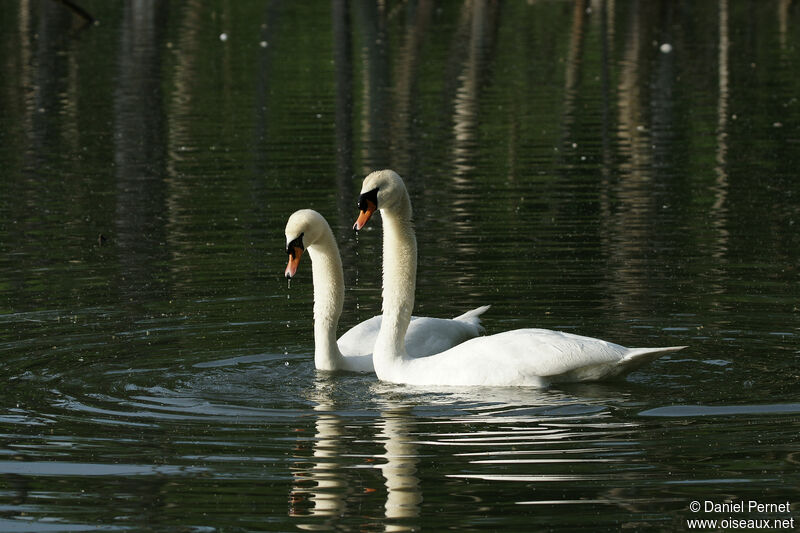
(303, 229)
(382, 189)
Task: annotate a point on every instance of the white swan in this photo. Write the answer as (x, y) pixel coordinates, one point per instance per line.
(307, 229)
(522, 357)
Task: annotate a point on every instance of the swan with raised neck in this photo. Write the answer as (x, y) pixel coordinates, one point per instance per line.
(522, 357)
(386, 190)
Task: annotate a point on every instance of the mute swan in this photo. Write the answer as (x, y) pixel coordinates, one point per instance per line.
(522, 357)
(307, 229)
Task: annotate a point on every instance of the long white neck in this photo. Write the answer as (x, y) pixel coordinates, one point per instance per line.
(326, 266)
(399, 284)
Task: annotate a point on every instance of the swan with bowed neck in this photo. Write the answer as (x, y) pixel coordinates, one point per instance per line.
(308, 230)
(521, 357)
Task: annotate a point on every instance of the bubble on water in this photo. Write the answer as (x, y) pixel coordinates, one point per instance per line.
(223, 37)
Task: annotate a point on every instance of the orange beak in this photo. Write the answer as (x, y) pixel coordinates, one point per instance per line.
(365, 215)
(294, 261)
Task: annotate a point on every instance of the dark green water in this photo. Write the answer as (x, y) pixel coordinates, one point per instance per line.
(157, 372)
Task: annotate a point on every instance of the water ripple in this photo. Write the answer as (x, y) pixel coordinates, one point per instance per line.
(722, 410)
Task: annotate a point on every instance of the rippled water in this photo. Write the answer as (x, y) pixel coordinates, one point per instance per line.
(565, 167)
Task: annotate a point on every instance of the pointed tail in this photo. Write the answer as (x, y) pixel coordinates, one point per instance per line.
(474, 317)
(475, 313)
(637, 357)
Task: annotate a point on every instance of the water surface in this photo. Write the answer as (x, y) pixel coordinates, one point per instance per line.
(564, 165)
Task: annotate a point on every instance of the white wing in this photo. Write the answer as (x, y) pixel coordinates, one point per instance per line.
(425, 336)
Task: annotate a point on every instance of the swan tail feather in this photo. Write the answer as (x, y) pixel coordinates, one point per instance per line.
(475, 313)
(474, 317)
(637, 357)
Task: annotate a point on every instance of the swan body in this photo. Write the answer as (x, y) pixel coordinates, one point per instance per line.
(308, 230)
(522, 357)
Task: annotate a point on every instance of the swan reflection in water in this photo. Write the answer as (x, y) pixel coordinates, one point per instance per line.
(327, 495)
(325, 488)
(403, 494)
(559, 446)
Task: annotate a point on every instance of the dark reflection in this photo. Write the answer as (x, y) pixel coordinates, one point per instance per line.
(38, 86)
(265, 110)
(139, 155)
(344, 127)
(473, 48)
(343, 65)
(48, 81)
(628, 225)
(373, 54)
(574, 64)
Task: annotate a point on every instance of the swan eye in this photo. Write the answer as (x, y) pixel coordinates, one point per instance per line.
(294, 245)
(368, 197)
